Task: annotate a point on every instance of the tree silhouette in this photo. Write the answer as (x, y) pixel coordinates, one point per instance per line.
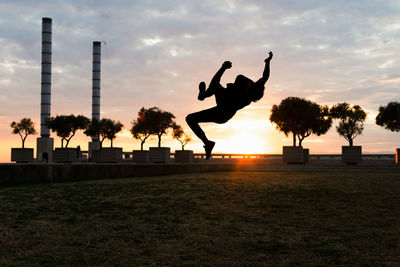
(350, 120)
(24, 128)
(300, 117)
(141, 127)
(66, 126)
(104, 128)
(389, 116)
(180, 135)
(161, 121)
(93, 129)
(110, 128)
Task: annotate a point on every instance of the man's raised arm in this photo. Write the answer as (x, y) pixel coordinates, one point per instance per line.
(266, 71)
(217, 77)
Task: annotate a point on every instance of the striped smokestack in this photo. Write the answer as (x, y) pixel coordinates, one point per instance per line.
(46, 77)
(96, 70)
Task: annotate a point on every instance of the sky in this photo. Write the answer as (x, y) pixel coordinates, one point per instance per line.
(156, 53)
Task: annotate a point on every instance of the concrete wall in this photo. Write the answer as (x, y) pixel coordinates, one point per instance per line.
(37, 173)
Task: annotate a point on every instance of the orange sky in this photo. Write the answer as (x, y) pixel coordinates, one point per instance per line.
(240, 135)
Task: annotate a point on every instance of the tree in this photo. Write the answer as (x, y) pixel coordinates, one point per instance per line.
(110, 129)
(93, 129)
(24, 128)
(67, 126)
(141, 127)
(160, 121)
(105, 129)
(389, 116)
(180, 135)
(350, 120)
(300, 117)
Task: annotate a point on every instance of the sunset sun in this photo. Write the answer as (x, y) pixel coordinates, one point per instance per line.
(245, 143)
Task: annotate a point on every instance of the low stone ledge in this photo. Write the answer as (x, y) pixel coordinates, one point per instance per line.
(41, 173)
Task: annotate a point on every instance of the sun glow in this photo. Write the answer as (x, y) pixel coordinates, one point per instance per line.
(244, 143)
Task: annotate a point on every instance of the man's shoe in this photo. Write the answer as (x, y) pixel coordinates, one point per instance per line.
(202, 91)
(208, 148)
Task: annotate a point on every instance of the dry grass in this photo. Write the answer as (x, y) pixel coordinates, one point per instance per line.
(237, 218)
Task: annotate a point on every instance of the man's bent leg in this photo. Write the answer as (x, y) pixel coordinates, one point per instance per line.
(193, 120)
(214, 114)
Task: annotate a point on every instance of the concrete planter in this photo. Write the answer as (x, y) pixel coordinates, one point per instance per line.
(160, 154)
(65, 155)
(107, 154)
(295, 154)
(306, 154)
(351, 154)
(397, 155)
(22, 155)
(141, 156)
(183, 156)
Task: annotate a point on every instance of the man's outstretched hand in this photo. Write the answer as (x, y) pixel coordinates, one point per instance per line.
(227, 65)
(269, 57)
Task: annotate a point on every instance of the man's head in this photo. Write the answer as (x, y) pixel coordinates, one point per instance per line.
(255, 90)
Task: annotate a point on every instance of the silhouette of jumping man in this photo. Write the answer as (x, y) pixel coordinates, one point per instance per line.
(229, 100)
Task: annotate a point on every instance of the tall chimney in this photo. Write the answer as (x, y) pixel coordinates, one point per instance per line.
(96, 70)
(44, 145)
(46, 77)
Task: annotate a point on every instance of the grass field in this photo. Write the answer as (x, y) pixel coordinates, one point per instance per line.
(232, 218)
